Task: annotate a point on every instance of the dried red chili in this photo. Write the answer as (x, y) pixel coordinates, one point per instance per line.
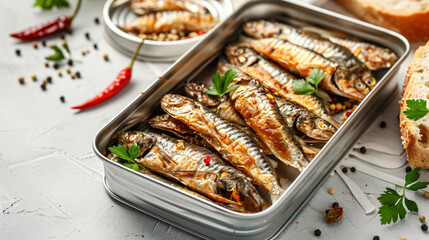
(47, 28)
(115, 87)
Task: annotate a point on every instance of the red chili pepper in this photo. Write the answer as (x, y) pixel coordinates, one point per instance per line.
(116, 86)
(207, 160)
(200, 32)
(47, 28)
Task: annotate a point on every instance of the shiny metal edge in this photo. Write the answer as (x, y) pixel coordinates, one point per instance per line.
(152, 214)
(348, 123)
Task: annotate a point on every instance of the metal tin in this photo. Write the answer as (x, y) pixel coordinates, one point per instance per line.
(209, 220)
(117, 13)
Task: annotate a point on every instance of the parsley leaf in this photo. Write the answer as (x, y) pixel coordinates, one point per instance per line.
(130, 155)
(49, 4)
(310, 84)
(392, 203)
(303, 87)
(220, 84)
(57, 56)
(417, 109)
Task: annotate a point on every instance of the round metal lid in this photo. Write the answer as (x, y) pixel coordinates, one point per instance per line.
(117, 13)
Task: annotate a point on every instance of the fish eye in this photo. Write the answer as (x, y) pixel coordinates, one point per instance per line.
(370, 82)
(198, 87)
(322, 125)
(360, 86)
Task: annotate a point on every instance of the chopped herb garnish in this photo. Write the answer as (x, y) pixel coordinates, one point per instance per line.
(130, 155)
(392, 204)
(49, 4)
(416, 109)
(221, 84)
(310, 84)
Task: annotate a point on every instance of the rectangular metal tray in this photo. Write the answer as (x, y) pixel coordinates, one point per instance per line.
(209, 220)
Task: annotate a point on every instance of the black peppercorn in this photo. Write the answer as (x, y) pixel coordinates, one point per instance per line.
(408, 169)
(62, 98)
(376, 238)
(43, 86)
(63, 37)
(424, 227)
(87, 36)
(353, 169)
(44, 43)
(383, 124)
(78, 74)
(18, 52)
(49, 79)
(96, 20)
(56, 65)
(363, 150)
(95, 46)
(70, 62)
(335, 204)
(344, 170)
(317, 232)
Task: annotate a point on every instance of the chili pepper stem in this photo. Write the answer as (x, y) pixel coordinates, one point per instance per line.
(71, 17)
(135, 54)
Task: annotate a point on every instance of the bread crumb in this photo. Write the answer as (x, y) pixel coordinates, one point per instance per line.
(332, 191)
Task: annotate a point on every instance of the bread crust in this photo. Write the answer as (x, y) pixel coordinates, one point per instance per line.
(415, 26)
(415, 135)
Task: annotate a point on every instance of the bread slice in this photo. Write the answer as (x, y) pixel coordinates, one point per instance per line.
(408, 17)
(415, 134)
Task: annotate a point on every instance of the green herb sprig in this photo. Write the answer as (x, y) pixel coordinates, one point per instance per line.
(49, 4)
(59, 54)
(310, 84)
(220, 87)
(121, 151)
(392, 203)
(416, 109)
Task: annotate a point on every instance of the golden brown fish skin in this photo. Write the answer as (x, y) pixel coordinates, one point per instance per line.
(184, 162)
(306, 122)
(298, 60)
(275, 79)
(233, 143)
(197, 91)
(166, 21)
(233, 207)
(143, 7)
(357, 74)
(264, 117)
(373, 56)
(227, 111)
(166, 123)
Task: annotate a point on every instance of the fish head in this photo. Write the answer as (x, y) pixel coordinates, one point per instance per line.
(369, 80)
(241, 56)
(197, 91)
(349, 84)
(176, 105)
(315, 127)
(239, 187)
(144, 140)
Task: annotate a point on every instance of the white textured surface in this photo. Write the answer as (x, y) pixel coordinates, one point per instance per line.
(51, 181)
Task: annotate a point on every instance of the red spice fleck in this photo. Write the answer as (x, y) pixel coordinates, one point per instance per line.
(248, 125)
(207, 160)
(272, 100)
(334, 99)
(348, 113)
(200, 32)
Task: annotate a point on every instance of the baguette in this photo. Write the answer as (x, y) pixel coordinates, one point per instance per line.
(415, 134)
(408, 17)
